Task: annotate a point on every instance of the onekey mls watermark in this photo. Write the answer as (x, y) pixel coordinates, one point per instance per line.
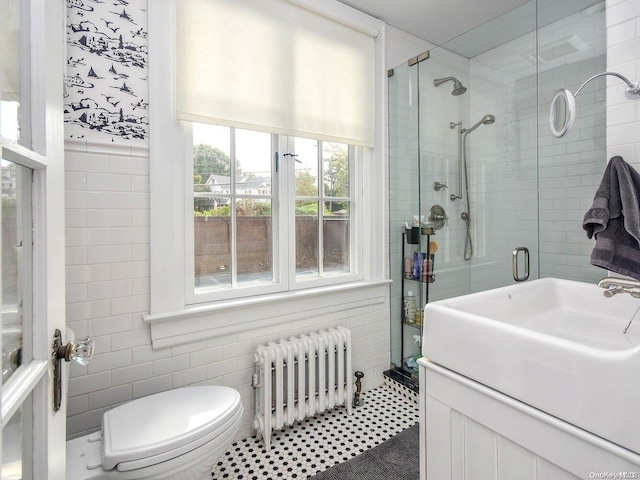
(613, 475)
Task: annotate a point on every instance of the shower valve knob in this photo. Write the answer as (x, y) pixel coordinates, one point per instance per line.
(437, 186)
(438, 217)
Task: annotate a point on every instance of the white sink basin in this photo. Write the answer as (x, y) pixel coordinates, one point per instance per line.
(556, 345)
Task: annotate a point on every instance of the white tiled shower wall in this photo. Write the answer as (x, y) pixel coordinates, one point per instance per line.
(513, 158)
(503, 158)
(107, 276)
(623, 45)
(571, 167)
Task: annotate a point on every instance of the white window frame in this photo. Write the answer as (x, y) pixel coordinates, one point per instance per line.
(285, 277)
(193, 298)
(356, 156)
(172, 318)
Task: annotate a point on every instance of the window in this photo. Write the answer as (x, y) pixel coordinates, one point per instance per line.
(277, 215)
(234, 238)
(250, 231)
(323, 223)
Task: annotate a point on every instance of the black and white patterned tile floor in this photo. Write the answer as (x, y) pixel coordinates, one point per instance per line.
(322, 441)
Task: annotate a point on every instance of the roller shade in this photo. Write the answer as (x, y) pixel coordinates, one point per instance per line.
(273, 65)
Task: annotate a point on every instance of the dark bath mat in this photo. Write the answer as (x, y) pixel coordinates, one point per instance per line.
(398, 459)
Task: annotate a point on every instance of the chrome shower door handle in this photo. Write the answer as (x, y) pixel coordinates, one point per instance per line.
(515, 255)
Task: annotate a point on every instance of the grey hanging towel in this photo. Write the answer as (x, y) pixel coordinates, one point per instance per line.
(614, 220)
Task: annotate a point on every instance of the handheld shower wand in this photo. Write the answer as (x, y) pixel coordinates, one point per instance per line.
(486, 120)
(462, 136)
(462, 170)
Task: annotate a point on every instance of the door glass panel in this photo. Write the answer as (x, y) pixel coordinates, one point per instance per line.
(16, 241)
(10, 89)
(12, 448)
(17, 461)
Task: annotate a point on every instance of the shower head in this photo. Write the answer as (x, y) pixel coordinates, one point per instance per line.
(458, 88)
(486, 120)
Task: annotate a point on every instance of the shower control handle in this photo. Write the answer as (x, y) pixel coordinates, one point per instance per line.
(437, 186)
(438, 217)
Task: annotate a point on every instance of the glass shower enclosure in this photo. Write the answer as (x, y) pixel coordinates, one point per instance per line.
(469, 139)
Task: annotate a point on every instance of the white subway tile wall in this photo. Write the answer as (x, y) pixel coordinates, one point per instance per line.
(108, 292)
(623, 116)
(571, 167)
(107, 276)
(505, 169)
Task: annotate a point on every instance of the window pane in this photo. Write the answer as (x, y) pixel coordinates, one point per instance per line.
(253, 163)
(233, 219)
(335, 168)
(335, 235)
(306, 162)
(255, 257)
(10, 91)
(211, 205)
(212, 236)
(211, 160)
(307, 238)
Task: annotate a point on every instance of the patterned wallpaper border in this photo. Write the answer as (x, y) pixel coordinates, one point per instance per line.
(107, 79)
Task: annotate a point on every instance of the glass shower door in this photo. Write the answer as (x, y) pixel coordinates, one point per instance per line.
(404, 188)
(483, 144)
(517, 185)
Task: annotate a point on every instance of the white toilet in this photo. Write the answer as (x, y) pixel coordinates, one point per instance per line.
(177, 434)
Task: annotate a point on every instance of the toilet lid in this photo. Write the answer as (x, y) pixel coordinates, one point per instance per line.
(154, 426)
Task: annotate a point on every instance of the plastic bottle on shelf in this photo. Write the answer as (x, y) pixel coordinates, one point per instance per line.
(408, 268)
(416, 265)
(409, 307)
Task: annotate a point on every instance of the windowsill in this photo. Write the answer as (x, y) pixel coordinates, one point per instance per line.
(198, 322)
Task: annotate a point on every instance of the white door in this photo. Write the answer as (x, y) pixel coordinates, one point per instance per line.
(32, 444)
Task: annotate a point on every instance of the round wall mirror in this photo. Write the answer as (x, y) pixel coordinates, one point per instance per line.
(562, 112)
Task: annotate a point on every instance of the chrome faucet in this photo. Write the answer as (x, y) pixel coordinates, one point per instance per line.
(614, 285)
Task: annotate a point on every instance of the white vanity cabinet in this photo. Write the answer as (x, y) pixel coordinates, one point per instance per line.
(470, 431)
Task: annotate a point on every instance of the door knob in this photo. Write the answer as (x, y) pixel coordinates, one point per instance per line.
(80, 351)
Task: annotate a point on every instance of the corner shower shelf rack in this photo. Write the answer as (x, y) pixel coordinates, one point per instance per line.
(414, 236)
